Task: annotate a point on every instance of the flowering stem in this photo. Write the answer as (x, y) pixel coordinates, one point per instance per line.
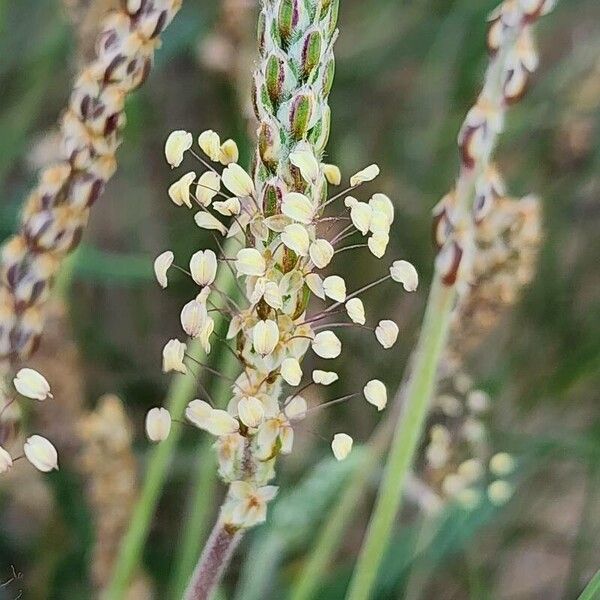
(420, 388)
(215, 557)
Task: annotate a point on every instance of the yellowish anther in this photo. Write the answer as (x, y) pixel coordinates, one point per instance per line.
(173, 354)
(41, 453)
(386, 333)
(291, 371)
(203, 267)
(326, 345)
(251, 262)
(404, 272)
(335, 288)
(298, 208)
(205, 220)
(341, 445)
(321, 252)
(376, 394)
(158, 424)
(367, 174)
(210, 144)
(177, 144)
(324, 377)
(162, 263)
(296, 238)
(265, 337)
(356, 310)
(307, 163)
(251, 411)
(228, 152)
(31, 384)
(179, 192)
(237, 181)
(208, 186)
(332, 173)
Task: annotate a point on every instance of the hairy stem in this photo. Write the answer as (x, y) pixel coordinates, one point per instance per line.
(216, 556)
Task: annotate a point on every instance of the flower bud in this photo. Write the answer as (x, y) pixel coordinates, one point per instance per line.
(41, 453)
(376, 394)
(176, 145)
(31, 384)
(158, 424)
(341, 445)
(311, 53)
(300, 115)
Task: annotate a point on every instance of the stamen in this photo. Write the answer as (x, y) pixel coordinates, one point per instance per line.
(332, 402)
(351, 247)
(332, 325)
(359, 291)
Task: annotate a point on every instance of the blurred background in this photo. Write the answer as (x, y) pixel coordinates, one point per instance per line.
(406, 74)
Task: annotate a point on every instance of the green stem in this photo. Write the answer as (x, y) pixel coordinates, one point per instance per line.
(180, 393)
(404, 445)
(592, 590)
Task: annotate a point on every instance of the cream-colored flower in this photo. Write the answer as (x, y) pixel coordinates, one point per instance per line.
(298, 207)
(31, 384)
(179, 191)
(324, 377)
(246, 505)
(158, 424)
(296, 238)
(177, 144)
(376, 394)
(205, 220)
(307, 163)
(173, 354)
(335, 288)
(405, 273)
(295, 409)
(250, 261)
(386, 333)
(341, 445)
(210, 144)
(215, 421)
(326, 345)
(229, 207)
(332, 173)
(193, 318)
(378, 244)
(203, 267)
(6, 461)
(367, 174)
(315, 285)
(228, 153)
(162, 263)
(291, 371)
(361, 214)
(237, 181)
(265, 336)
(251, 411)
(321, 252)
(208, 186)
(41, 453)
(356, 310)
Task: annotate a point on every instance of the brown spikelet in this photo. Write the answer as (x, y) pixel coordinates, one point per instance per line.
(109, 466)
(57, 210)
(507, 245)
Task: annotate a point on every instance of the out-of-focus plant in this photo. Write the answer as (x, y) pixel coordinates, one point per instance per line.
(513, 59)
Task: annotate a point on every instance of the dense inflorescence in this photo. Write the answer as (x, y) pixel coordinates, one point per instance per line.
(280, 216)
(57, 211)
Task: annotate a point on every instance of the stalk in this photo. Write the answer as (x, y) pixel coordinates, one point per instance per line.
(512, 60)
